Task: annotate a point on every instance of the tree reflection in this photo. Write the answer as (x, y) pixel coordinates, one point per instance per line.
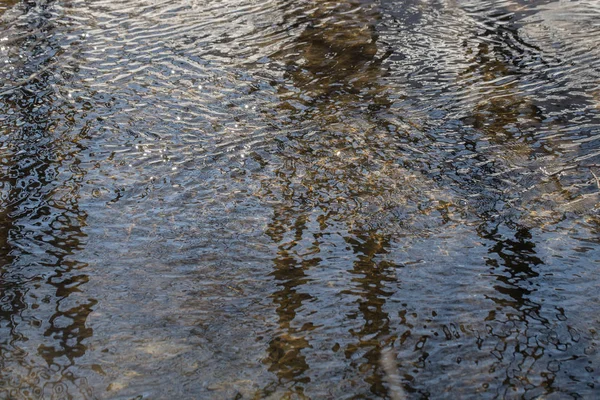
(525, 338)
(285, 349)
(519, 324)
(371, 276)
(42, 230)
(341, 168)
(519, 261)
(333, 87)
(335, 63)
(513, 133)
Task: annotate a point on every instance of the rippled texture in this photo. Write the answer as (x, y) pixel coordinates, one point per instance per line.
(299, 199)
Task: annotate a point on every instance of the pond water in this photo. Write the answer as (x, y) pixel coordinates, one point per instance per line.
(299, 199)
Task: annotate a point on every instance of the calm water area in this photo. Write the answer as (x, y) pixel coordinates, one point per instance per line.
(300, 199)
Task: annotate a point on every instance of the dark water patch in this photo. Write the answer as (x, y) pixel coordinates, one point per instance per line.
(44, 307)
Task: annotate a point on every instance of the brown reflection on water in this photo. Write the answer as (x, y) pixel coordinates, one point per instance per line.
(335, 171)
(529, 342)
(341, 154)
(512, 120)
(502, 113)
(6, 4)
(285, 348)
(43, 303)
(506, 156)
(335, 62)
(370, 276)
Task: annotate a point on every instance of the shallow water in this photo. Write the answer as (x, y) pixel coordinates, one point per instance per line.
(299, 199)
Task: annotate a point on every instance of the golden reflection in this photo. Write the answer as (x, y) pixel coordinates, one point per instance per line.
(504, 143)
(522, 124)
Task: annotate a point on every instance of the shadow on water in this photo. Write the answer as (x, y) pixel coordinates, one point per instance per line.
(42, 225)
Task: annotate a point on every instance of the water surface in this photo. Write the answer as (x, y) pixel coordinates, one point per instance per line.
(265, 199)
